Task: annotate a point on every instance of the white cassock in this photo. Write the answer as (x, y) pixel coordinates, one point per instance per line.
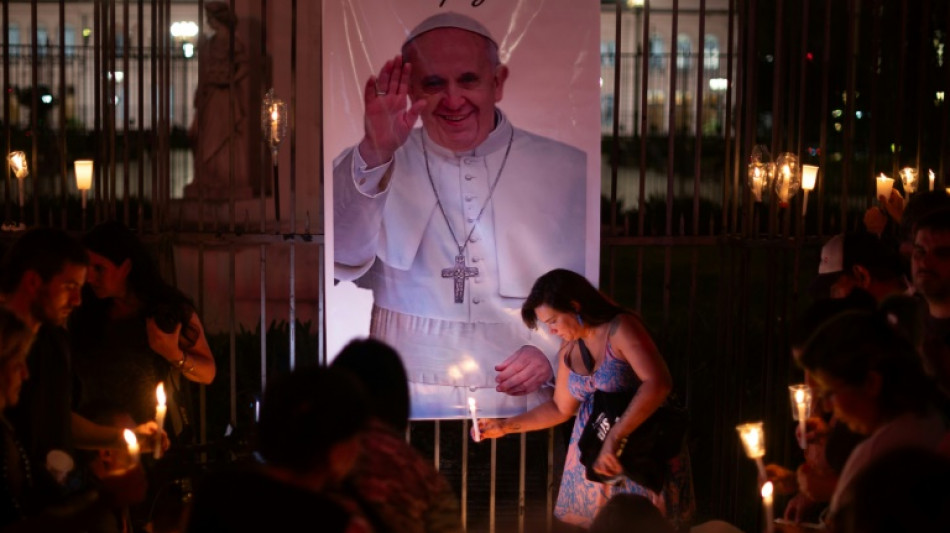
(395, 241)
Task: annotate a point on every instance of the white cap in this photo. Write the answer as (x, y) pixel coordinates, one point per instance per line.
(450, 19)
(832, 256)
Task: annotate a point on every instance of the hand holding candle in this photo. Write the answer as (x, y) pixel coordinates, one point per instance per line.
(133, 445)
(160, 411)
(753, 440)
(884, 186)
(472, 409)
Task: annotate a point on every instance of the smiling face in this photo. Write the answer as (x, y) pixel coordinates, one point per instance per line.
(454, 71)
(564, 325)
(107, 279)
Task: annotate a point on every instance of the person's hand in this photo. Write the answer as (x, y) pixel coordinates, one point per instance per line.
(782, 479)
(816, 429)
(489, 428)
(797, 507)
(894, 205)
(523, 372)
(147, 435)
(607, 464)
(875, 220)
(164, 344)
(388, 121)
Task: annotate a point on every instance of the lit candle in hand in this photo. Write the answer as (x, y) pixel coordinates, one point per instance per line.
(133, 444)
(801, 408)
(472, 409)
(767, 500)
(160, 411)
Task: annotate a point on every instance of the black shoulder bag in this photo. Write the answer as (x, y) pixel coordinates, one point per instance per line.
(644, 453)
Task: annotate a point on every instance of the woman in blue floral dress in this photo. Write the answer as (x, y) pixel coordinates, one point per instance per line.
(604, 347)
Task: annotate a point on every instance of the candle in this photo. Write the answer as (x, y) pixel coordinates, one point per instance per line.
(753, 440)
(133, 444)
(274, 122)
(767, 500)
(930, 174)
(472, 409)
(801, 408)
(783, 187)
(757, 183)
(809, 177)
(160, 411)
(884, 186)
(83, 168)
(909, 179)
(18, 164)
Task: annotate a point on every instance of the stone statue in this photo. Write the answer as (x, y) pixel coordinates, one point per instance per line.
(212, 131)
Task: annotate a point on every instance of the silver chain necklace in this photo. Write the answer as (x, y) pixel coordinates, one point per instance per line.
(460, 272)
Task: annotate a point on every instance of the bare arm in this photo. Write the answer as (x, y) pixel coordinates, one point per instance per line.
(88, 435)
(551, 413)
(631, 341)
(194, 360)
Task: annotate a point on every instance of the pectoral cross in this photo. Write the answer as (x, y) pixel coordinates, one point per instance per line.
(459, 272)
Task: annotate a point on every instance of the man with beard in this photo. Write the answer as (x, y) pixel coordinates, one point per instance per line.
(41, 277)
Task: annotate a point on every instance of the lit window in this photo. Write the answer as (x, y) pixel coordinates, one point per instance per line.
(711, 53)
(684, 51)
(657, 53)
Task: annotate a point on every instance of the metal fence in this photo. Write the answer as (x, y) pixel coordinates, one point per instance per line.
(854, 86)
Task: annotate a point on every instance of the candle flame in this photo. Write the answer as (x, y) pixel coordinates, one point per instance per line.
(274, 115)
(160, 393)
(471, 404)
(800, 396)
(931, 174)
(767, 490)
(130, 438)
(786, 170)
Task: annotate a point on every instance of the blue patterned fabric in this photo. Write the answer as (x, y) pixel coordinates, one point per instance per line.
(579, 499)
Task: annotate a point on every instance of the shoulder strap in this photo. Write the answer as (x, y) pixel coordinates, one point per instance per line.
(586, 356)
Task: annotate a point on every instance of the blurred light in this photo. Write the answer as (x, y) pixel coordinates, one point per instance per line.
(635, 3)
(809, 56)
(46, 99)
(769, 58)
(184, 28)
(86, 32)
(189, 51)
(940, 96)
(718, 84)
(837, 113)
(858, 114)
(837, 126)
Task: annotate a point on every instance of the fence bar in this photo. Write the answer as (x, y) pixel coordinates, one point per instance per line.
(923, 37)
(263, 322)
(615, 141)
(126, 124)
(140, 190)
(522, 455)
(34, 121)
(7, 129)
(492, 519)
(202, 399)
(266, 82)
(435, 444)
(464, 488)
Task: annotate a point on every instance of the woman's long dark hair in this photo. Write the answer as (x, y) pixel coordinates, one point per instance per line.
(561, 289)
(160, 301)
